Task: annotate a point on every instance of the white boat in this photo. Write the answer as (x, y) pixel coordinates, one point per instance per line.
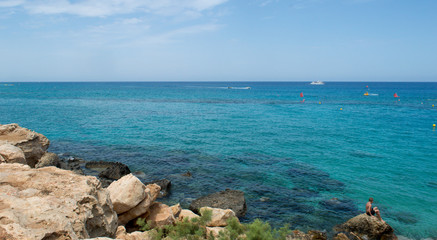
(317, 83)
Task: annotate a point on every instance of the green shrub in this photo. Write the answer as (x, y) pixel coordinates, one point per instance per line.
(187, 229)
(195, 229)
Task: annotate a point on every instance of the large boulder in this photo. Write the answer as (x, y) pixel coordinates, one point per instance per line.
(48, 159)
(152, 191)
(219, 217)
(33, 144)
(228, 199)
(126, 193)
(187, 214)
(159, 215)
(51, 203)
(367, 227)
(11, 154)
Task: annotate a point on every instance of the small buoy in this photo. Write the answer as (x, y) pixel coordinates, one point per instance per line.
(433, 105)
(341, 108)
(433, 125)
(320, 102)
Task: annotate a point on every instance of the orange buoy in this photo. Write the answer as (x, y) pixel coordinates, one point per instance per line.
(395, 95)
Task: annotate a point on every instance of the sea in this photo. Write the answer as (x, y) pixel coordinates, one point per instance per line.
(305, 155)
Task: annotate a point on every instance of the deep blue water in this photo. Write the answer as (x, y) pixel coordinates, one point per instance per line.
(263, 141)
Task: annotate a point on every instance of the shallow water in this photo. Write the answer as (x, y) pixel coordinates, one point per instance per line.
(312, 164)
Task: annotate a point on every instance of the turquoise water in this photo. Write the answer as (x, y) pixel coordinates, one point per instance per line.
(263, 140)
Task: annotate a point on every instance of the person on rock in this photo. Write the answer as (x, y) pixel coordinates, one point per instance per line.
(372, 211)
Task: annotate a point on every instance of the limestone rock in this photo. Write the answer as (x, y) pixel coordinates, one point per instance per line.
(165, 185)
(228, 199)
(48, 159)
(12, 154)
(151, 193)
(159, 215)
(176, 210)
(187, 214)
(214, 231)
(33, 144)
(368, 227)
(341, 236)
(51, 203)
(219, 216)
(126, 193)
(123, 235)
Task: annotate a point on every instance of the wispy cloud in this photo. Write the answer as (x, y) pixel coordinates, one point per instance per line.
(11, 3)
(104, 8)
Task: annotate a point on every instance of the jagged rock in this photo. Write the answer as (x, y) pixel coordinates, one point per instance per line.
(51, 203)
(115, 171)
(176, 210)
(369, 227)
(159, 215)
(12, 154)
(341, 236)
(151, 191)
(165, 185)
(219, 217)
(187, 214)
(214, 231)
(123, 235)
(72, 164)
(126, 193)
(98, 165)
(228, 199)
(48, 159)
(33, 144)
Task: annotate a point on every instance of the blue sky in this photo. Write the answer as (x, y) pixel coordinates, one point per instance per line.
(218, 40)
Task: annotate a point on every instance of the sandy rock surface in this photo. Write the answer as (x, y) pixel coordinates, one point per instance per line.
(219, 217)
(367, 227)
(11, 154)
(33, 144)
(152, 191)
(159, 215)
(51, 203)
(126, 193)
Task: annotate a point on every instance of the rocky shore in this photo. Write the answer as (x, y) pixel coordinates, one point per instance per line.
(43, 196)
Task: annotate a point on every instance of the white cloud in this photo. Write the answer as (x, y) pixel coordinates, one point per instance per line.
(104, 8)
(11, 3)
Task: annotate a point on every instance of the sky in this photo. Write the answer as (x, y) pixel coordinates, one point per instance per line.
(218, 40)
